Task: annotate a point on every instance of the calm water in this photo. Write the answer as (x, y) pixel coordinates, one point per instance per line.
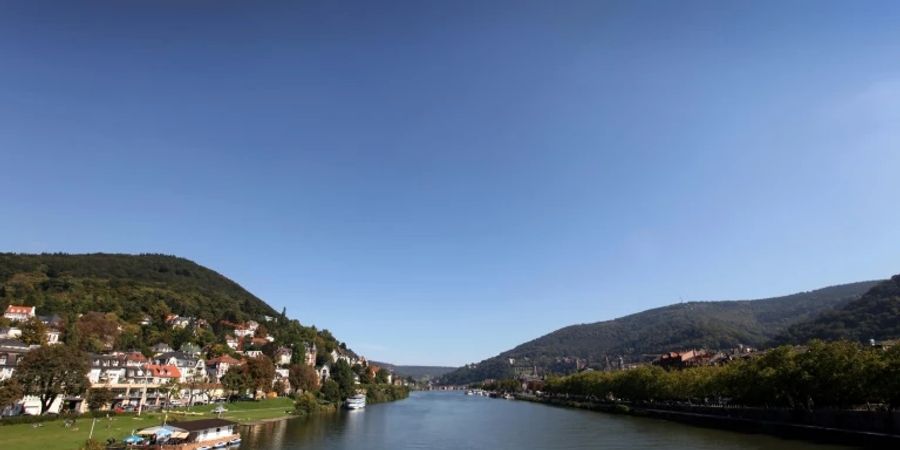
(451, 420)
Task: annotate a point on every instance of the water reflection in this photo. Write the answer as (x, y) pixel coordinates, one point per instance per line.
(439, 420)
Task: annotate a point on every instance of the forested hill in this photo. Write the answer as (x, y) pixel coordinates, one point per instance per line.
(637, 337)
(129, 285)
(132, 288)
(876, 315)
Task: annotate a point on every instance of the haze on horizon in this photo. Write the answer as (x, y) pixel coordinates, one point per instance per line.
(436, 183)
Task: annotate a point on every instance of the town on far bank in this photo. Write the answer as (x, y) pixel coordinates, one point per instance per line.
(97, 362)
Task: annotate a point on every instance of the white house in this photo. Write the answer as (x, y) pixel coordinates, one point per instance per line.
(190, 367)
(19, 313)
(283, 356)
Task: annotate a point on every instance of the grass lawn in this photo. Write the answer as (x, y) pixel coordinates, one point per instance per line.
(55, 436)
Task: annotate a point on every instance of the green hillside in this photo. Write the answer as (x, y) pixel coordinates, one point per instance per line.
(131, 288)
(638, 337)
(876, 315)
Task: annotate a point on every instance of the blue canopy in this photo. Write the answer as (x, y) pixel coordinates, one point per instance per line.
(133, 439)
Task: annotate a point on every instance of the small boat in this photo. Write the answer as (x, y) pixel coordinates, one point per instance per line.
(470, 392)
(205, 447)
(358, 401)
(222, 444)
(509, 397)
(234, 441)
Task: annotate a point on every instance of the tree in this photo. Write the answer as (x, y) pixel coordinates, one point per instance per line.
(262, 372)
(98, 398)
(236, 380)
(280, 387)
(98, 331)
(331, 391)
(10, 393)
(34, 332)
(303, 378)
(381, 376)
(342, 374)
(50, 371)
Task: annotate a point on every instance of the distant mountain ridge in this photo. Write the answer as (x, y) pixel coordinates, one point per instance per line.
(638, 337)
(875, 315)
(416, 372)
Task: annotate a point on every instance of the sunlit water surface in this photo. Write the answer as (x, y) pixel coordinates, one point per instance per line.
(451, 420)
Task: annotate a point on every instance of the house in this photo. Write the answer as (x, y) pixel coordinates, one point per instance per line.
(53, 321)
(176, 321)
(191, 367)
(161, 347)
(191, 349)
(52, 336)
(283, 356)
(162, 374)
(11, 351)
(146, 320)
(135, 359)
(106, 369)
(19, 313)
(242, 331)
(10, 332)
(253, 353)
(217, 367)
(680, 360)
(232, 342)
(309, 356)
(206, 430)
(324, 373)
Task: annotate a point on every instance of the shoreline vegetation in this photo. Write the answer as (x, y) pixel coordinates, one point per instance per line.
(837, 391)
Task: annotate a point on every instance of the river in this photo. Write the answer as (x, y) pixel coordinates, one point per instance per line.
(451, 421)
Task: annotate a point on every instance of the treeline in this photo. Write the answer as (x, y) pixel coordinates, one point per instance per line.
(820, 375)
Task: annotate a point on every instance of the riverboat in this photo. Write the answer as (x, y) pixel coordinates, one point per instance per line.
(358, 401)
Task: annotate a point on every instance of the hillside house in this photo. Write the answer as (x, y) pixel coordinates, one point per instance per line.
(283, 356)
(309, 356)
(162, 374)
(10, 353)
(191, 367)
(19, 313)
(106, 369)
(161, 347)
(217, 367)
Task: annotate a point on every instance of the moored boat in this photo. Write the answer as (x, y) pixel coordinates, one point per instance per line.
(358, 401)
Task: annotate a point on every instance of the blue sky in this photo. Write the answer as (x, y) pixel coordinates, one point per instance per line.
(436, 182)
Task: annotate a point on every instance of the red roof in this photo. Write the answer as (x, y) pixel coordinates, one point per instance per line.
(16, 309)
(136, 356)
(226, 359)
(164, 371)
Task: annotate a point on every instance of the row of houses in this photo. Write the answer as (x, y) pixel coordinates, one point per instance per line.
(139, 380)
(17, 314)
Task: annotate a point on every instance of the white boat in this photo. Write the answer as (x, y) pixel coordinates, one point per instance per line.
(234, 441)
(205, 447)
(220, 445)
(470, 392)
(358, 401)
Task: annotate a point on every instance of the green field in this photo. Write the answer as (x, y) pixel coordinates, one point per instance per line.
(55, 436)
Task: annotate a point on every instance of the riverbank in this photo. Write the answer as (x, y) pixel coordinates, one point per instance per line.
(55, 435)
(858, 428)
